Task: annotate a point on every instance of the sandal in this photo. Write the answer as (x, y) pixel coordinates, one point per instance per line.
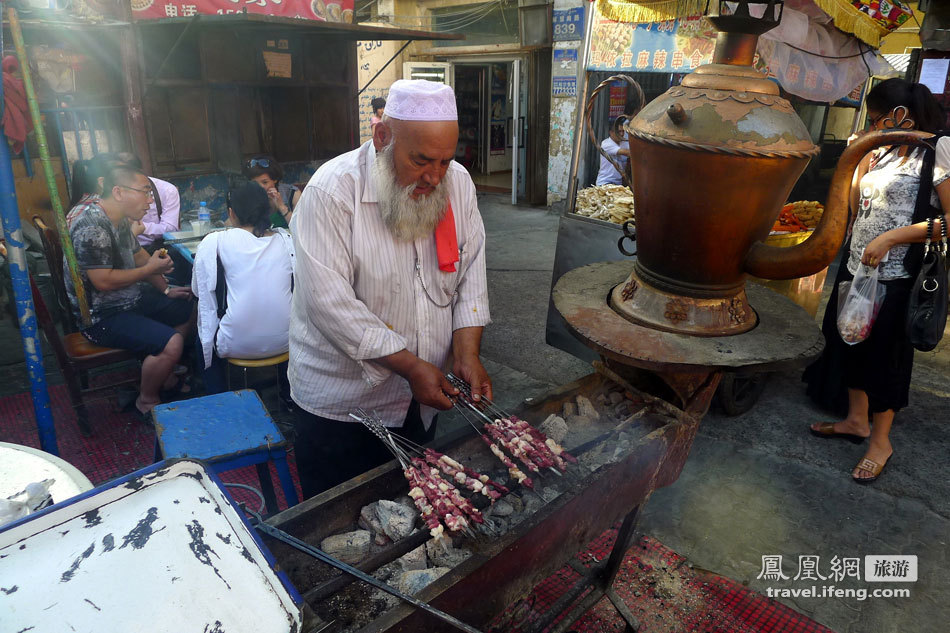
(826, 430)
(872, 467)
(180, 391)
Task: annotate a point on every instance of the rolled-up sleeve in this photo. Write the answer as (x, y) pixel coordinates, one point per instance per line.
(471, 307)
(322, 232)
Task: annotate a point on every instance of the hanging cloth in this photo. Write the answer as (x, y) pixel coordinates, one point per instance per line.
(446, 242)
(16, 117)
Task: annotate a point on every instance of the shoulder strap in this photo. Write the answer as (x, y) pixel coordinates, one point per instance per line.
(157, 198)
(923, 209)
(221, 291)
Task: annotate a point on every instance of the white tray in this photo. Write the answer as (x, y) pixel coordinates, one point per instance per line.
(162, 550)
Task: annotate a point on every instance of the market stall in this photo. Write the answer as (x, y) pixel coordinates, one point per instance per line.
(820, 68)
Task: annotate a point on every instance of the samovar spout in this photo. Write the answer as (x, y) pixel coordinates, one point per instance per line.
(810, 256)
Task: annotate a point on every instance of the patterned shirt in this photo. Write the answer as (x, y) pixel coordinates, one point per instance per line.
(359, 294)
(86, 201)
(100, 244)
(888, 197)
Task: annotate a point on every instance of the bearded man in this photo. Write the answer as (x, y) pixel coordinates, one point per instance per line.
(390, 288)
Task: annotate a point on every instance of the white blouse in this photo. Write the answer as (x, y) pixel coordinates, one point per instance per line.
(258, 272)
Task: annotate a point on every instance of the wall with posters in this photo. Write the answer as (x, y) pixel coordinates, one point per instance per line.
(327, 10)
(569, 20)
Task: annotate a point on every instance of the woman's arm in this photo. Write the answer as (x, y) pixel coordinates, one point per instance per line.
(914, 233)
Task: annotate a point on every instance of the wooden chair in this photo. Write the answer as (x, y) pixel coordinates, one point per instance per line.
(75, 354)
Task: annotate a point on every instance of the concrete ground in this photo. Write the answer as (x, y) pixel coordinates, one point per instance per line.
(755, 485)
(758, 484)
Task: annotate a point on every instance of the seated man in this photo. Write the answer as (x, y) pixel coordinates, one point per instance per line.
(163, 213)
(152, 319)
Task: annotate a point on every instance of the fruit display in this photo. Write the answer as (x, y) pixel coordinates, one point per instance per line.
(613, 203)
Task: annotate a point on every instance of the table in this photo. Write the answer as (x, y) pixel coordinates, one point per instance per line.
(185, 249)
(21, 465)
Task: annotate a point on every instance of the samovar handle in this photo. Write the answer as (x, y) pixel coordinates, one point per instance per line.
(816, 252)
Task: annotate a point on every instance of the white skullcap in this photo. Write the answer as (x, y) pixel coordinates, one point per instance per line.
(421, 100)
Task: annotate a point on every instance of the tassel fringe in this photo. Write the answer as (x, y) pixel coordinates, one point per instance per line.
(851, 20)
(649, 10)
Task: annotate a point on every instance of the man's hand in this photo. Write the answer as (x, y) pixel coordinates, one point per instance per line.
(430, 386)
(179, 292)
(160, 263)
(470, 369)
(137, 228)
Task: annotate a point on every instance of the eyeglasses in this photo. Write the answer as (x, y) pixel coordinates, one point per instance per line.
(259, 162)
(149, 193)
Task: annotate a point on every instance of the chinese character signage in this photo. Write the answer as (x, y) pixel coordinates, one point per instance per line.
(564, 87)
(325, 10)
(673, 46)
(569, 24)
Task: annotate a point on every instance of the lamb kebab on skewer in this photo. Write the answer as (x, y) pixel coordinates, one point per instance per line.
(524, 441)
(439, 502)
(513, 470)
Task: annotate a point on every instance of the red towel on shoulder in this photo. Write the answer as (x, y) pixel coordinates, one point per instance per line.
(446, 242)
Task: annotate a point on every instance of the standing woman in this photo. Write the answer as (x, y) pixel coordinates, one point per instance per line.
(267, 173)
(884, 192)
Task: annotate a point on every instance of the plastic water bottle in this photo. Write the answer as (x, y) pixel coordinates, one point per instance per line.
(203, 224)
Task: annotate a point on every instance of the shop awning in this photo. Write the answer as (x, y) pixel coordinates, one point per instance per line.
(254, 21)
(868, 20)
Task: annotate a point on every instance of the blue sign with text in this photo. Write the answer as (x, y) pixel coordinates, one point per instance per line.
(569, 24)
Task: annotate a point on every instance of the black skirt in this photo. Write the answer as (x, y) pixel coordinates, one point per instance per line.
(881, 365)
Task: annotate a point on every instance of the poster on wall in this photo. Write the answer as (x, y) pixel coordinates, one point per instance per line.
(325, 10)
(673, 46)
(497, 141)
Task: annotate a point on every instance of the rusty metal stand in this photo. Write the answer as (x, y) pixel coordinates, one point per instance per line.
(596, 584)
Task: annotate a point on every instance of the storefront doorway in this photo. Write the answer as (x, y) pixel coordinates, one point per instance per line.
(485, 111)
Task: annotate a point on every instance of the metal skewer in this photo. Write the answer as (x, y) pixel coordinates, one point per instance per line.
(258, 522)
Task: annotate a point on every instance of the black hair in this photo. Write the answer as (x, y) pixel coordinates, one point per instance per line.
(616, 125)
(118, 174)
(86, 174)
(251, 206)
(377, 103)
(924, 108)
(263, 164)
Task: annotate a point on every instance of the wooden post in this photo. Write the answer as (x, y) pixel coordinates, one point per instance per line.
(129, 57)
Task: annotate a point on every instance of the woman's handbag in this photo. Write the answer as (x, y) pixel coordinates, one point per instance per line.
(927, 307)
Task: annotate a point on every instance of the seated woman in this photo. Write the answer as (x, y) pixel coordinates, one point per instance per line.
(267, 173)
(243, 278)
(618, 149)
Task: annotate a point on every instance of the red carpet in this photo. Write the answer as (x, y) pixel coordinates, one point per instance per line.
(664, 593)
(656, 583)
(120, 445)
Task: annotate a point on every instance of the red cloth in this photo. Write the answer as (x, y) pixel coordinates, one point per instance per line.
(446, 242)
(16, 118)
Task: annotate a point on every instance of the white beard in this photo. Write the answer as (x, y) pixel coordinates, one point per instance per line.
(406, 218)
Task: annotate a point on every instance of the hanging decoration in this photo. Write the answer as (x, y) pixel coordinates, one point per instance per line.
(649, 10)
(868, 20)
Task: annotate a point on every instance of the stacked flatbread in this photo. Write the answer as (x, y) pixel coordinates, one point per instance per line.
(613, 203)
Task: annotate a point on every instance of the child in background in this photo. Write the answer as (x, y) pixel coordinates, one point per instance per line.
(378, 104)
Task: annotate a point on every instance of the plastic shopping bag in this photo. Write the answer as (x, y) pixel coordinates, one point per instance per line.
(863, 297)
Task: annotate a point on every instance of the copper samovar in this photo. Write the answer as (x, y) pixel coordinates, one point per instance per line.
(713, 160)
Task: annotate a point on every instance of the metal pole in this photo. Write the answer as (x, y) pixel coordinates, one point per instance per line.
(58, 214)
(25, 311)
(515, 128)
(579, 110)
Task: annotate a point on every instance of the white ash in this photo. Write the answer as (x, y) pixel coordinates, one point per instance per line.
(554, 427)
(549, 493)
(616, 397)
(414, 560)
(585, 408)
(350, 548)
(502, 508)
(443, 553)
(574, 421)
(397, 520)
(569, 409)
(369, 519)
(412, 582)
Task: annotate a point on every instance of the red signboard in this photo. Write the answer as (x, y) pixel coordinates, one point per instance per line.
(327, 10)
